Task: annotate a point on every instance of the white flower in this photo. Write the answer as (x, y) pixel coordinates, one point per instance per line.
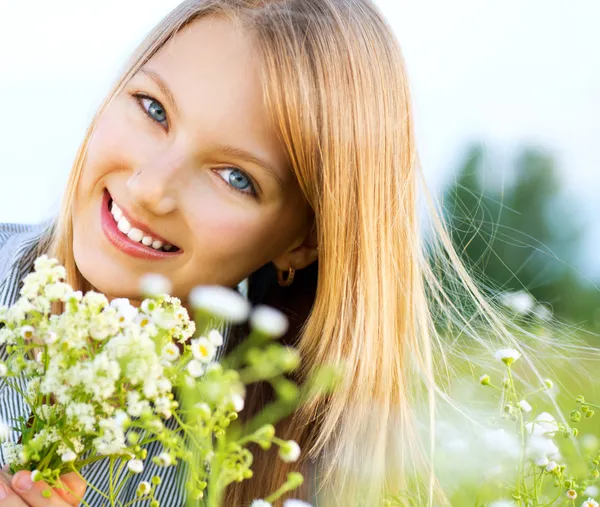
(551, 466)
(144, 488)
(221, 302)
(502, 442)
(195, 368)
(164, 459)
(238, 402)
(591, 491)
(502, 503)
(544, 425)
(571, 494)
(27, 332)
(153, 284)
(590, 502)
(203, 350)
(4, 431)
(538, 446)
(3, 370)
(50, 337)
(95, 301)
(269, 321)
(260, 503)
(289, 452)
(135, 405)
(507, 356)
(126, 312)
(135, 466)
(68, 457)
(215, 337)
(525, 406)
(542, 461)
(520, 302)
(293, 502)
(170, 352)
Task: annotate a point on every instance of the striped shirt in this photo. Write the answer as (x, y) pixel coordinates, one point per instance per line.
(18, 244)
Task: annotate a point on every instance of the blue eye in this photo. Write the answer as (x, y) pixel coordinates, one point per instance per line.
(238, 180)
(152, 108)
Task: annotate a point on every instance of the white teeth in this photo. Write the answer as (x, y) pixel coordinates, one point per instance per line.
(116, 211)
(124, 226)
(135, 234)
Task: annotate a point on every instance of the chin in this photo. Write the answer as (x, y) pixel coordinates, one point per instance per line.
(103, 274)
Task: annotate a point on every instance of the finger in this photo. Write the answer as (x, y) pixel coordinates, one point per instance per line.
(8, 498)
(73, 488)
(33, 493)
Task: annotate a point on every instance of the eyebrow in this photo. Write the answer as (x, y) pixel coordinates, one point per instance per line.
(163, 87)
(240, 153)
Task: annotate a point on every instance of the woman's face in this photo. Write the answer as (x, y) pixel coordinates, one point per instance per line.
(187, 152)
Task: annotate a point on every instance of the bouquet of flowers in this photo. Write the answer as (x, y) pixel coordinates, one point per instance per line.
(101, 380)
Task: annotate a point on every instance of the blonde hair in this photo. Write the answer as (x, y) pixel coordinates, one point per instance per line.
(336, 85)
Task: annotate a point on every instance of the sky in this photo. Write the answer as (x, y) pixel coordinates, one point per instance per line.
(505, 74)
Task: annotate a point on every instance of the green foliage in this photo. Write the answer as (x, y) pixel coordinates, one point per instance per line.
(522, 236)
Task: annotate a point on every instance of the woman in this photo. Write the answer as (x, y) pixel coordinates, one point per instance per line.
(244, 140)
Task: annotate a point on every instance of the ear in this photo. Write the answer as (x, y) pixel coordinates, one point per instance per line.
(301, 253)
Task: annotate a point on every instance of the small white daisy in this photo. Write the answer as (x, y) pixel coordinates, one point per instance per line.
(525, 406)
(269, 321)
(289, 452)
(153, 284)
(507, 356)
(221, 302)
(135, 466)
(170, 352)
(68, 456)
(195, 368)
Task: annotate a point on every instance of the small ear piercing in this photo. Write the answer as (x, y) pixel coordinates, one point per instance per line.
(286, 282)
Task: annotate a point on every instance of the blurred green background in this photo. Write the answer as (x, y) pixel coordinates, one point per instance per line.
(524, 234)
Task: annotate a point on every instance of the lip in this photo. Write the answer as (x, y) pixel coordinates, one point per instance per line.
(123, 243)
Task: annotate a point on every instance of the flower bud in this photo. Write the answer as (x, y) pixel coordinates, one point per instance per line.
(484, 380)
(575, 416)
(589, 413)
(548, 383)
(580, 399)
(153, 285)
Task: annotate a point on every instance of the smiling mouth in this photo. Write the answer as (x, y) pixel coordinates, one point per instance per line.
(137, 235)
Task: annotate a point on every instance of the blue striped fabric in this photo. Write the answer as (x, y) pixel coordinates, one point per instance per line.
(18, 244)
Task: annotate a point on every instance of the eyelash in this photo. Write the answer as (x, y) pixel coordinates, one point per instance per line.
(139, 97)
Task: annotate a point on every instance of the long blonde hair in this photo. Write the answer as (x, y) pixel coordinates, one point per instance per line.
(336, 85)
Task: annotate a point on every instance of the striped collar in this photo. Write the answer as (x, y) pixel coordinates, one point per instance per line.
(18, 249)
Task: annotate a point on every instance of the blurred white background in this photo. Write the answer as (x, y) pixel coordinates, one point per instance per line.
(501, 73)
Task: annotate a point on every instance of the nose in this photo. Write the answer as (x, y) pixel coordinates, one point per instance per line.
(155, 184)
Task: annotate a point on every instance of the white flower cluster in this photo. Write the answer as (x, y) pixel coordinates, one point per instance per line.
(101, 363)
(100, 378)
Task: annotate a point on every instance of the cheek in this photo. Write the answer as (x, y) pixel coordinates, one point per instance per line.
(232, 230)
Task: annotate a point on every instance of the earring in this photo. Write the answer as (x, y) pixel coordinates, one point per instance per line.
(286, 282)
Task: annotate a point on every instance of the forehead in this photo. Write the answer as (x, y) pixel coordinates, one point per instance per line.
(213, 72)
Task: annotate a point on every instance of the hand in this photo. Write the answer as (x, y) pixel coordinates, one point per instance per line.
(20, 491)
